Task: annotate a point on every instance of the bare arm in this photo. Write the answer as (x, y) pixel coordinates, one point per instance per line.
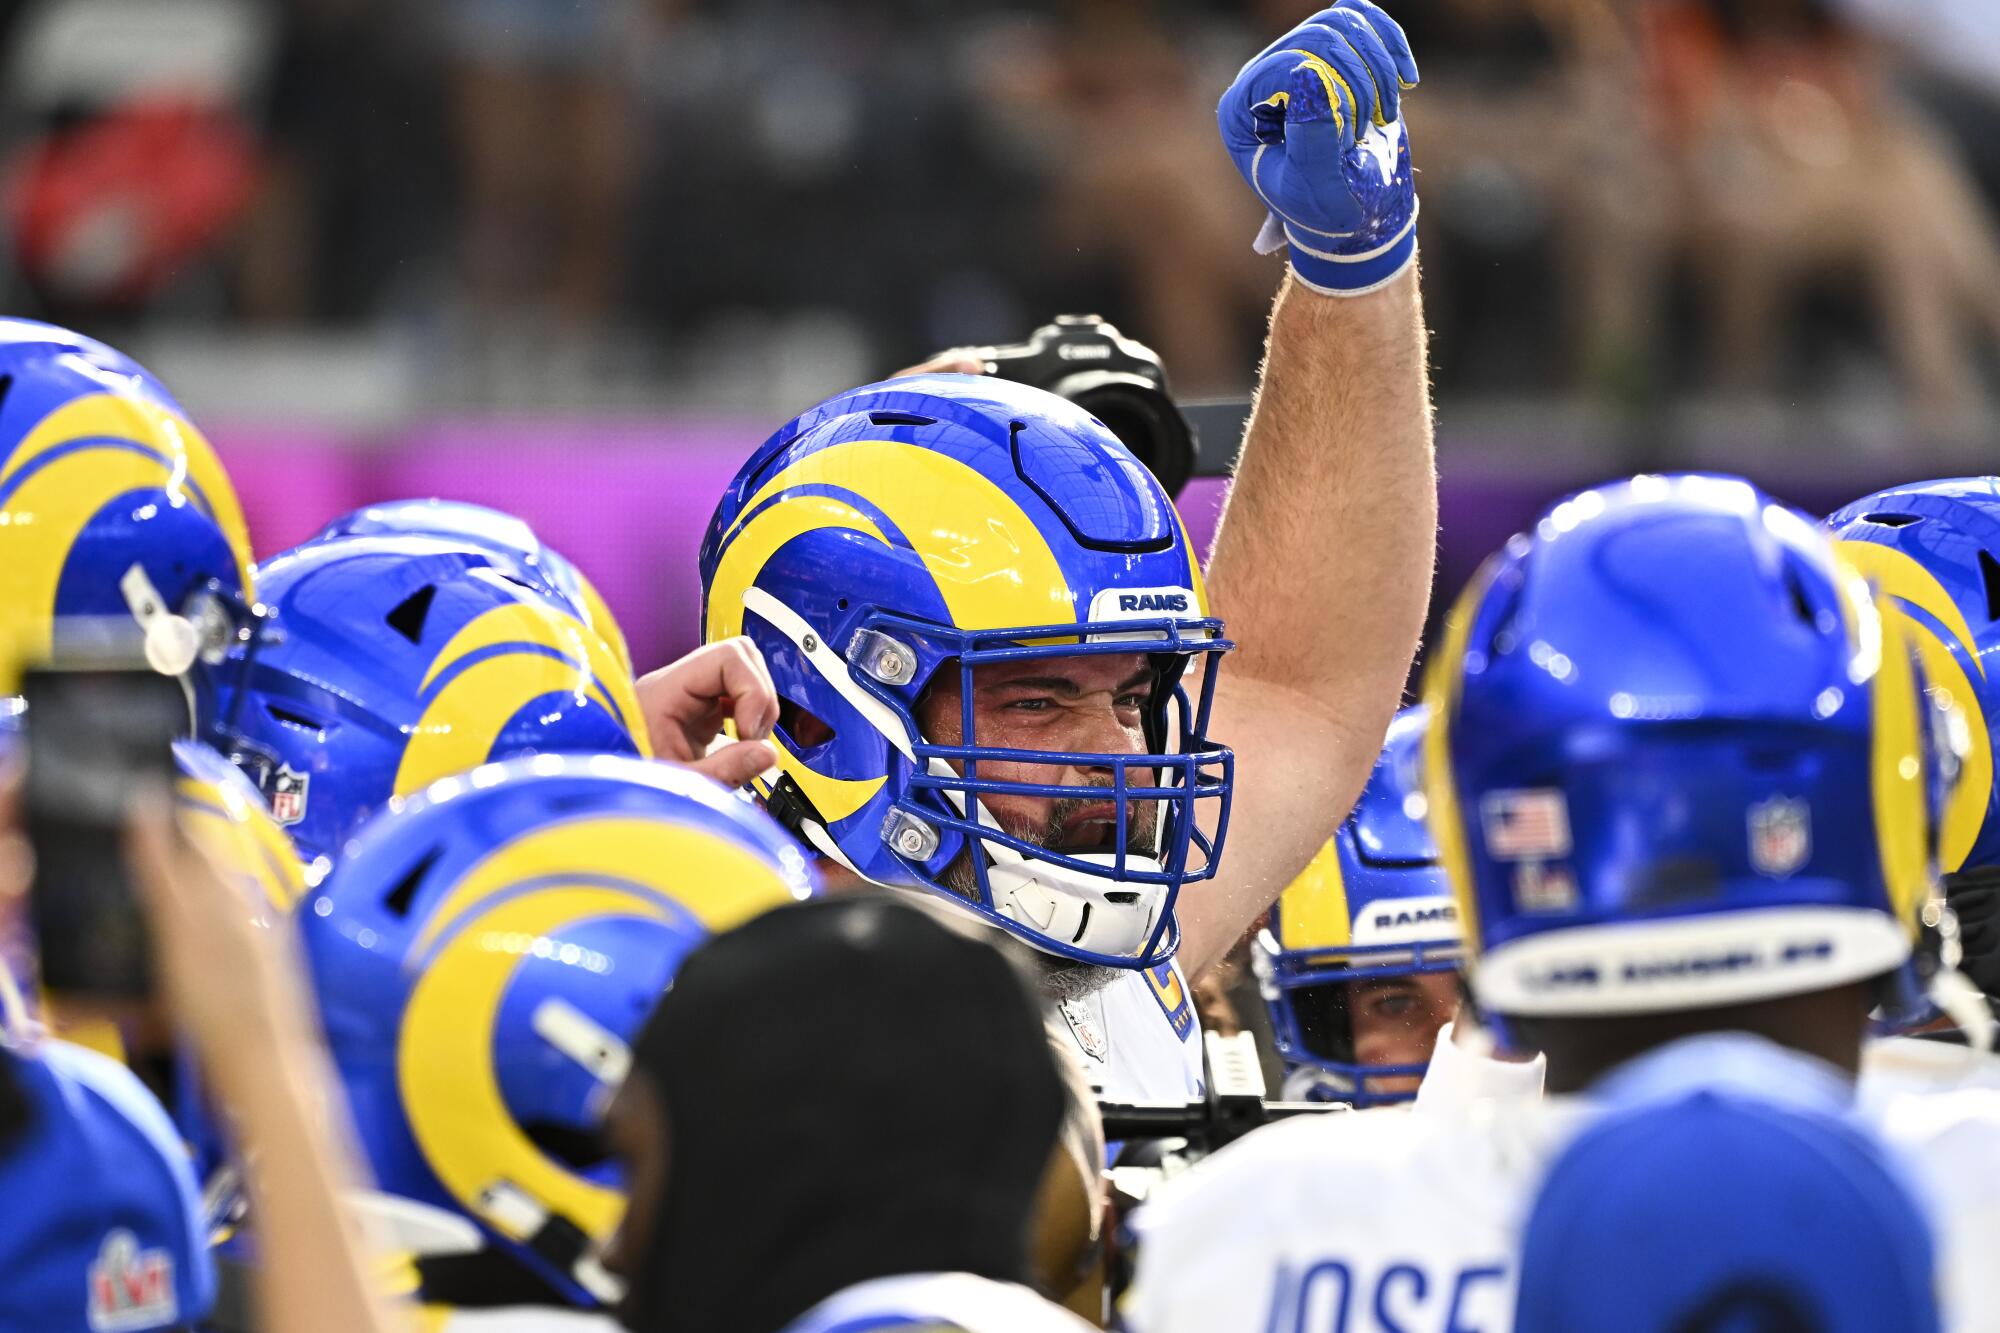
(1322, 572)
(237, 996)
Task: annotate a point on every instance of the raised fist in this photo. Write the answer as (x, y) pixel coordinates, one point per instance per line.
(1315, 125)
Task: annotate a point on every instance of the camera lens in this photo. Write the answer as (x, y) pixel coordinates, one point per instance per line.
(1145, 422)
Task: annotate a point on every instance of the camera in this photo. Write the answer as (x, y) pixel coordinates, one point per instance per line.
(1118, 381)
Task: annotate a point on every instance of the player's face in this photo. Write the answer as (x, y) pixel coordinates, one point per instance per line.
(1396, 1022)
(1094, 705)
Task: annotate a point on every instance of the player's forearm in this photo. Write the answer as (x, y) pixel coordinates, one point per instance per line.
(312, 1274)
(1322, 564)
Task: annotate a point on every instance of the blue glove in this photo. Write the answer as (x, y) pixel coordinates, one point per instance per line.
(1315, 125)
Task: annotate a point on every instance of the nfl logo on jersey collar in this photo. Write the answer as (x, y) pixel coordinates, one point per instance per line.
(1086, 1022)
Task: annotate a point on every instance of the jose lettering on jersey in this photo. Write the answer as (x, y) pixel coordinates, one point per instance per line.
(1338, 1296)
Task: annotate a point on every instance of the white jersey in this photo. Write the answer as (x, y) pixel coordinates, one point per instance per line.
(937, 1301)
(1892, 1066)
(1139, 1036)
(1409, 1218)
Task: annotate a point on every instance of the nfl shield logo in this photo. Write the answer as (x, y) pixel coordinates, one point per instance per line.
(1086, 1024)
(288, 795)
(1780, 836)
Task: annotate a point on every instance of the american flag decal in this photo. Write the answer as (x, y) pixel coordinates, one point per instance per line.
(1527, 824)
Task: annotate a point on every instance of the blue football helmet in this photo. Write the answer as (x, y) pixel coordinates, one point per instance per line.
(1374, 903)
(1934, 549)
(385, 663)
(483, 960)
(522, 556)
(114, 512)
(937, 524)
(222, 810)
(1677, 759)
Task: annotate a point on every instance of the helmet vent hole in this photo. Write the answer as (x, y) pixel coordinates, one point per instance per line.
(1989, 574)
(900, 419)
(1082, 924)
(6, 387)
(397, 901)
(288, 718)
(1888, 520)
(410, 613)
(1802, 606)
(1122, 897)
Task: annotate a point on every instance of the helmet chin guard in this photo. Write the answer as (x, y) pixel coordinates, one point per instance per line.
(1113, 909)
(1090, 911)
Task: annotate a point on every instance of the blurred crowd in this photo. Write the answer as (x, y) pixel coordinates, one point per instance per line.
(1777, 198)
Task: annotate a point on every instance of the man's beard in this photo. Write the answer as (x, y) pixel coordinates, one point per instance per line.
(1064, 979)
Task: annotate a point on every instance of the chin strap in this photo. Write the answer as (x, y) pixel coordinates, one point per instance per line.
(552, 1237)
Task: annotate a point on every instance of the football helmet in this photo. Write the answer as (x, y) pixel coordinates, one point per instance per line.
(1373, 903)
(522, 557)
(113, 511)
(938, 524)
(385, 663)
(1677, 758)
(222, 810)
(1934, 549)
(484, 958)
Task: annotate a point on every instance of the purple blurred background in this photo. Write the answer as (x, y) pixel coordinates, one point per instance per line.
(627, 500)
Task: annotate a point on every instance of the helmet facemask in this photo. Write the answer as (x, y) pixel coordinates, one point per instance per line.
(1311, 1002)
(1110, 904)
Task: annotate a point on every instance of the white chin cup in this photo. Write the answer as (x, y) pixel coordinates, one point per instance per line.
(1070, 907)
(1305, 1083)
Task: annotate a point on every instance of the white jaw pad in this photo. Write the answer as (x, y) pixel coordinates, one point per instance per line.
(1052, 899)
(404, 1224)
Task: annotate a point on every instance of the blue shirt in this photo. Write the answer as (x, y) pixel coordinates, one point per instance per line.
(102, 1229)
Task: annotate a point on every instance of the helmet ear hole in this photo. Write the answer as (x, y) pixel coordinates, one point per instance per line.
(807, 730)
